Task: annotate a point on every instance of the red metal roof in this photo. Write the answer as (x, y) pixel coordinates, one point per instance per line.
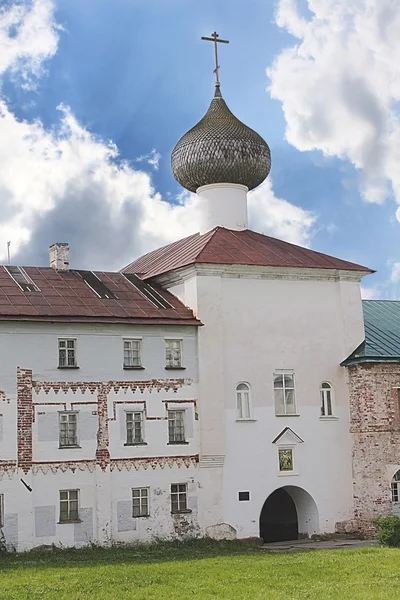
(225, 246)
(64, 296)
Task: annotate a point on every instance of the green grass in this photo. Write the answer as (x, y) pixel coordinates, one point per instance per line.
(203, 570)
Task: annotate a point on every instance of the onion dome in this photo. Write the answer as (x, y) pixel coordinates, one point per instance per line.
(220, 149)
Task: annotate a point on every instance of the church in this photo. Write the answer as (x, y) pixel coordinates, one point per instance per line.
(229, 385)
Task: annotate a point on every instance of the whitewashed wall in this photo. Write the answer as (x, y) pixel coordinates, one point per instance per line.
(32, 515)
(257, 321)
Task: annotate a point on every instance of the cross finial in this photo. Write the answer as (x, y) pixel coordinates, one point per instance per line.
(214, 38)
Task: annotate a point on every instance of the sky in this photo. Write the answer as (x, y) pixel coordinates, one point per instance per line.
(94, 94)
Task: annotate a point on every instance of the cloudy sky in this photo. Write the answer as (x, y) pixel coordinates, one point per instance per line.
(94, 95)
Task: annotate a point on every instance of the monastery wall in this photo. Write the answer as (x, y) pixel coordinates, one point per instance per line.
(375, 429)
(33, 468)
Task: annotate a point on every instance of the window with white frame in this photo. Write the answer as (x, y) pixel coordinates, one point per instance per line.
(286, 460)
(284, 393)
(132, 353)
(134, 428)
(68, 429)
(66, 353)
(395, 487)
(1, 510)
(176, 426)
(243, 401)
(179, 497)
(140, 502)
(326, 395)
(173, 354)
(69, 506)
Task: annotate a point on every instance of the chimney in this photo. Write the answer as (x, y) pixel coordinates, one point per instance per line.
(59, 256)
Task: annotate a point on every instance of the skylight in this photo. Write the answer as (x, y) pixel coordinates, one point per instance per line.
(22, 279)
(96, 285)
(147, 290)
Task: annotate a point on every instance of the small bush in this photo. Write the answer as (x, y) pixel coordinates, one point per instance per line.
(388, 531)
(3, 545)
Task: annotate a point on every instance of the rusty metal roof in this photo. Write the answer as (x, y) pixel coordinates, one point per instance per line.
(382, 333)
(102, 297)
(226, 246)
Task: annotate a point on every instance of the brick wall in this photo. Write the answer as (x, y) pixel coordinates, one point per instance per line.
(375, 429)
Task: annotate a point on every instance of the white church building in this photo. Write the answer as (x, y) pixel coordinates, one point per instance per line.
(197, 392)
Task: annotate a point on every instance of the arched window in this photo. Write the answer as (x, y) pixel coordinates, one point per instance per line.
(396, 488)
(326, 394)
(243, 401)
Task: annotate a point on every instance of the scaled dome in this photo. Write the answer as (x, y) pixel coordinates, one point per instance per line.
(220, 149)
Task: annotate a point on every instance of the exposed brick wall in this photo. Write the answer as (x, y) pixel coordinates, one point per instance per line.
(24, 419)
(375, 429)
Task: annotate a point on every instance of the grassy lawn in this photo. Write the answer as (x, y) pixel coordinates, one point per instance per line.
(202, 570)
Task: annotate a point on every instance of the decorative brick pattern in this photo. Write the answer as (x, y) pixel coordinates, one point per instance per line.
(24, 419)
(375, 429)
(154, 462)
(110, 386)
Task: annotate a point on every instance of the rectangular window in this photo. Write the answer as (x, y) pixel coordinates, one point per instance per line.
(132, 353)
(68, 429)
(140, 502)
(134, 428)
(176, 426)
(284, 394)
(285, 459)
(173, 354)
(66, 353)
(1, 510)
(395, 491)
(179, 497)
(69, 506)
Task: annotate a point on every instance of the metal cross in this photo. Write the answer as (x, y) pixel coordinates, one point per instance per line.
(214, 38)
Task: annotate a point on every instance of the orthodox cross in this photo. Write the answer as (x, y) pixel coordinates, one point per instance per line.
(214, 38)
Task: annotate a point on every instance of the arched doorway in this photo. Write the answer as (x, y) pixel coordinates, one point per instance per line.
(287, 513)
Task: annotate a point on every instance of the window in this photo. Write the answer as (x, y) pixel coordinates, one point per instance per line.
(284, 394)
(69, 506)
(134, 428)
(140, 502)
(243, 401)
(396, 487)
(326, 399)
(68, 428)
(173, 354)
(244, 496)
(1, 510)
(179, 498)
(132, 354)
(66, 353)
(176, 426)
(286, 463)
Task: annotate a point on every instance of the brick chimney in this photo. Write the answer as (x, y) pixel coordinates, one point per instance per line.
(59, 256)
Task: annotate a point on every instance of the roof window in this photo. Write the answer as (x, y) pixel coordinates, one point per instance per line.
(95, 284)
(147, 291)
(22, 279)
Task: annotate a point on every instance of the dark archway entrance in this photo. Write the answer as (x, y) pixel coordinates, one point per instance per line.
(278, 519)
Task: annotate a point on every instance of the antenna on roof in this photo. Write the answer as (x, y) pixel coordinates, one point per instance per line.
(8, 253)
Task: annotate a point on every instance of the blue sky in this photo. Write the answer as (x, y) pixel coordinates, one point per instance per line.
(136, 72)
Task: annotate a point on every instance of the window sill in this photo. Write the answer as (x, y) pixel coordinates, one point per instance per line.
(175, 368)
(246, 420)
(69, 447)
(186, 511)
(287, 473)
(128, 368)
(68, 367)
(293, 415)
(137, 444)
(140, 516)
(330, 418)
(68, 522)
(177, 443)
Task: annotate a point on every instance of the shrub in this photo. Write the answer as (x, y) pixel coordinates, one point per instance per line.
(388, 531)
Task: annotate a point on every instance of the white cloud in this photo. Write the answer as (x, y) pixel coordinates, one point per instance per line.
(339, 85)
(395, 274)
(277, 217)
(28, 37)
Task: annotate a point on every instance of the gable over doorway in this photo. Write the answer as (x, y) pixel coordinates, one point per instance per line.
(287, 513)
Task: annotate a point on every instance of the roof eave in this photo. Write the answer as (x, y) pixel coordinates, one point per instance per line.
(110, 320)
(369, 359)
